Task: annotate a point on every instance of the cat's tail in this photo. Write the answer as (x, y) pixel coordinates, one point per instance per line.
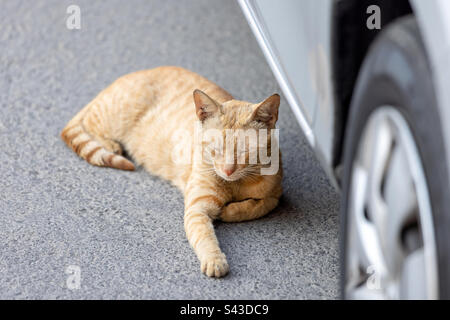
(98, 152)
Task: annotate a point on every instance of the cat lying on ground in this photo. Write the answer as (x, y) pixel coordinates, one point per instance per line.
(156, 115)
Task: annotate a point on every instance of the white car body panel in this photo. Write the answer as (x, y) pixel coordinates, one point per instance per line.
(256, 21)
(434, 20)
(295, 36)
(303, 71)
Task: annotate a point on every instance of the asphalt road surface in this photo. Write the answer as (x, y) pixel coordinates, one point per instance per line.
(122, 232)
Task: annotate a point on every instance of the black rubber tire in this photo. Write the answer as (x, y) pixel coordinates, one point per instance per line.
(396, 72)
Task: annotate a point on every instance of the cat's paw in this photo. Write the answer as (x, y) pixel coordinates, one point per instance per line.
(215, 266)
(231, 213)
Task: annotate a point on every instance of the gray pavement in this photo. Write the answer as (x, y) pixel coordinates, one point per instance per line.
(125, 229)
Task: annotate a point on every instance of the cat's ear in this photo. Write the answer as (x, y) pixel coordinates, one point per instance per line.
(267, 111)
(205, 106)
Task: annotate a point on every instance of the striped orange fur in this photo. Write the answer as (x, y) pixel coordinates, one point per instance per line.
(142, 111)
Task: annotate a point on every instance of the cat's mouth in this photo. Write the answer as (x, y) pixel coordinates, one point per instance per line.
(233, 177)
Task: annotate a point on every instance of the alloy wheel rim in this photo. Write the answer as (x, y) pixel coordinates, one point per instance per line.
(390, 246)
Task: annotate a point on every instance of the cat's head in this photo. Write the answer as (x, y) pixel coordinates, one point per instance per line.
(245, 129)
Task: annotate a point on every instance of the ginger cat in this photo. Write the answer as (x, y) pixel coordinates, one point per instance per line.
(143, 112)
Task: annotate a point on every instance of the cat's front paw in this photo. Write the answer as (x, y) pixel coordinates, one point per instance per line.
(215, 266)
(231, 213)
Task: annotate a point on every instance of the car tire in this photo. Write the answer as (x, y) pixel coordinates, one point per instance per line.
(396, 73)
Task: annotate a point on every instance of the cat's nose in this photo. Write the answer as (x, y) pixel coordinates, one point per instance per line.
(229, 171)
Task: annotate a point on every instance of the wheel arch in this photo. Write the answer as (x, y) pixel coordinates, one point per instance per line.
(351, 39)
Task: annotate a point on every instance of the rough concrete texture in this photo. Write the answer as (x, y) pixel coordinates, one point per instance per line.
(125, 229)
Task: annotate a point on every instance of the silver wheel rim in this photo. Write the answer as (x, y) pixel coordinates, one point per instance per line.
(390, 247)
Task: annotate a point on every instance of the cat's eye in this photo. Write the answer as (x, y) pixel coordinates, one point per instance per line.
(214, 151)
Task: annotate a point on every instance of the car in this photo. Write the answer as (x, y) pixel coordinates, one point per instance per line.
(368, 83)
